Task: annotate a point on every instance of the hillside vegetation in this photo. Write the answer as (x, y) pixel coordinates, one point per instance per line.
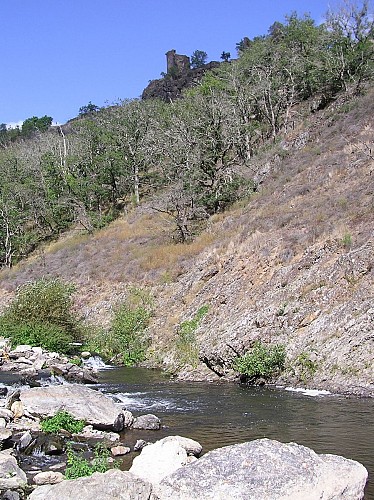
(239, 216)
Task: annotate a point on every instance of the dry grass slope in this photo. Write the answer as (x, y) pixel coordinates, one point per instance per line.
(293, 265)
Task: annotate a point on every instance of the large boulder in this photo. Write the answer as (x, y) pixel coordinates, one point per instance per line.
(11, 476)
(265, 470)
(80, 401)
(103, 486)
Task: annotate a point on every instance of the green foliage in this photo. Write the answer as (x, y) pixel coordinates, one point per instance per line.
(198, 58)
(41, 315)
(305, 367)
(125, 340)
(62, 421)
(85, 173)
(186, 331)
(261, 361)
(347, 240)
(225, 56)
(78, 466)
(35, 124)
(88, 109)
(187, 350)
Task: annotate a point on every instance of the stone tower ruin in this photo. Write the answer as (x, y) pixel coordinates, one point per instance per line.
(178, 62)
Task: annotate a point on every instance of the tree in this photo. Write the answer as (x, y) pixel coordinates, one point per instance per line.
(89, 109)
(35, 124)
(351, 55)
(225, 56)
(198, 59)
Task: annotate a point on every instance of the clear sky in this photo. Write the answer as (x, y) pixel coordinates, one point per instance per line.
(57, 55)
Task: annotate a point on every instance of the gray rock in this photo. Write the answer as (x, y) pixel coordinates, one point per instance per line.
(93, 436)
(11, 476)
(25, 440)
(108, 486)
(266, 470)
(5, 434)
(147, 422)
(139, 445)
(80, 401)
(11, 495)
(128, 418)
(14, 396)
(6, 414)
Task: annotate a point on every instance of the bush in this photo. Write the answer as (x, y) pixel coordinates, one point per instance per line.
(261, 361)
(41, 315)
(62, 421)
(125, 340)
(127, 328)
(50, 337)
(78, 466)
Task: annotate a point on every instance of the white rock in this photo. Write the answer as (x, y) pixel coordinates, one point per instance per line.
(48, 477)
(158, 460)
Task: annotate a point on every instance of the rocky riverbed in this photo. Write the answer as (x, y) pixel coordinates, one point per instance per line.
(170, 468)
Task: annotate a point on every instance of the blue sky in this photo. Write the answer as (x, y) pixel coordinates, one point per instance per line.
(60, 54)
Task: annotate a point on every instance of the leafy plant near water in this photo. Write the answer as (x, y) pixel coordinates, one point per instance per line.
(125, 340)
(78, 466)
(306, 368)
(261, 361)
(62, 420)
(186, 343)
(41, 315)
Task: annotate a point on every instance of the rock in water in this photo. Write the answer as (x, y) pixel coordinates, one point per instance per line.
(147, 422)
(108, 486)
(81, 402)
(265, 470)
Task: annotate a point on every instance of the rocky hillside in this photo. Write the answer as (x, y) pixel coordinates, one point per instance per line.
(292, 265)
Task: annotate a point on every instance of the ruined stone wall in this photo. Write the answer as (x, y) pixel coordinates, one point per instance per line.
(178, 61)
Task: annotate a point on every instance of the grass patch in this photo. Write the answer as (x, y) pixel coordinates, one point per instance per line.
(62, 421)
(77, 466)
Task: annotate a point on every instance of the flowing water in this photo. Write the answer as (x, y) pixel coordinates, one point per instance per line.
(223, 414)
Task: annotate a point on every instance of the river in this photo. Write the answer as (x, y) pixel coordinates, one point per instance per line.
(222, 414)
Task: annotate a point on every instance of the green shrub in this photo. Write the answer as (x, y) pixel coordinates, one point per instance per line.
(50, 337)
(62, 421)
(125, 340)
(187, 328)
(41, 315)
(305, 367)
(127, 328)
(261, 361)
(77, 466)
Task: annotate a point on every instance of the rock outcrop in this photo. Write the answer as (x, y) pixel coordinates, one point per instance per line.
(265, 470)
(170, 87)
